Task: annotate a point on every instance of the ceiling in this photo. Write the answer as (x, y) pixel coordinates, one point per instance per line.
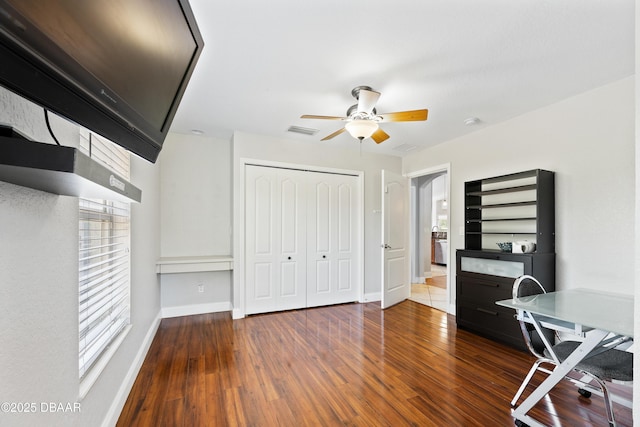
(266, 63)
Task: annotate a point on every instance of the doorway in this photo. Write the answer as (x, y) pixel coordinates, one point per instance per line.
(430, 238)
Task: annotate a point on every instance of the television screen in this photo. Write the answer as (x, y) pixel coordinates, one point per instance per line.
(117, 67)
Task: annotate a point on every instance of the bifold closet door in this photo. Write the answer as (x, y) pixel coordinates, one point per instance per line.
(332, 215)
(275, 240)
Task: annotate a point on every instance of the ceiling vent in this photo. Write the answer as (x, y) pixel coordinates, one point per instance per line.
(405, 147)
(302, 130)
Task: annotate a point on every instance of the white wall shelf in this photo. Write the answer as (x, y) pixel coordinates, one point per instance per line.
(193, 264)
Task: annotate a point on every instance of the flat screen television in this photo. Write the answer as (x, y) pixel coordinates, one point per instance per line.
(116, 67)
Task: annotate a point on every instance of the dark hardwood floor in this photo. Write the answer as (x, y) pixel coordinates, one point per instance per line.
(351, 365)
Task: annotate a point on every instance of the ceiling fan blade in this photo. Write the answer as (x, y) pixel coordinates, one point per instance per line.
(405, 116)
(336, 133)
(379, 136)
(311, 116)
(367, 100)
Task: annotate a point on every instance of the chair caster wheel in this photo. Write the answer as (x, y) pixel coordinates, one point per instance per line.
(521, 424)
(584, 393)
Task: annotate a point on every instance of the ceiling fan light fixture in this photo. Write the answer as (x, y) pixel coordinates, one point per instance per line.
(362, 118)
(361, 129)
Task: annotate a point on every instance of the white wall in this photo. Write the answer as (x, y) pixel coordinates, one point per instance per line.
(39, 290)
(195, 176)
(636, 356)
(196, 214)
(588, 140)
(196, 196)
(180, 295)
(249, 146)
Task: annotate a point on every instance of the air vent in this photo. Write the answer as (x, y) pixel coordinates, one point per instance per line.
(302, 130)
(405, 147)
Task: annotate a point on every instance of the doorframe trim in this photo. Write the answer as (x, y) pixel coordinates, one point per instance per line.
(238, 281)
(445, 167)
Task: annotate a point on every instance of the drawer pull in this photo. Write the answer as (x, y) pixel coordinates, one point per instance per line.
(482, 310)
(491, 285)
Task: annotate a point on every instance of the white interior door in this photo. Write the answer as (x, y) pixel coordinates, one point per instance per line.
(275, 232)
(293, 245)
(332, 248)
(395, 230)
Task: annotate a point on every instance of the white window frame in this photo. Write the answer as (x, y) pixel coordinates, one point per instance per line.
(104, 277)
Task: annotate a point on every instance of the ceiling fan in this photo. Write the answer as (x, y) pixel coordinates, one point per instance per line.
(362, 118)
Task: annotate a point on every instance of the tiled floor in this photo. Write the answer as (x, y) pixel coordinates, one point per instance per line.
(433, 296)
(429, 295)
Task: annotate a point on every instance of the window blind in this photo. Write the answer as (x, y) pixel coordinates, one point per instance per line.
(104, 151)
(104, 278)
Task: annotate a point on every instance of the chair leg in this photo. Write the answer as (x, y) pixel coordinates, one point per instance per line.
(608, 404)
(524, 384)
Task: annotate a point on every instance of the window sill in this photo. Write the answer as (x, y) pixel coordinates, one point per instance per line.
(94, 373)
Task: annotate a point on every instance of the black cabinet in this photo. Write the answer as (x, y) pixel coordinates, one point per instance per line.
(507, 208)
(484, 277)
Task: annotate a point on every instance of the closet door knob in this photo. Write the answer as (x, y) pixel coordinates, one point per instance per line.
(324, 256)
(288, 257)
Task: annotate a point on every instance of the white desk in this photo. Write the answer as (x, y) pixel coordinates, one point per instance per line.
(602, 313)
(193, 264)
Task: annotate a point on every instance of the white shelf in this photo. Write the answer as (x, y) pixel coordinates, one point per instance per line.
(193, 264)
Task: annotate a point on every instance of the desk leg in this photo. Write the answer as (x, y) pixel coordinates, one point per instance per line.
(593, 339)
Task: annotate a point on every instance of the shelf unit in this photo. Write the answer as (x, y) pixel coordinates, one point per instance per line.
(513, 207)
(505, 208)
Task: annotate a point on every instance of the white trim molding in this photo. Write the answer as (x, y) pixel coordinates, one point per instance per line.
(193, 309)
(446, 167)
(111, 418)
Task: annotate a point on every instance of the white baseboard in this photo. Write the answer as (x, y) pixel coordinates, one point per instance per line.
(193, 309)
(123, 393)
(452, 309)
(373, 296)
(237, 314)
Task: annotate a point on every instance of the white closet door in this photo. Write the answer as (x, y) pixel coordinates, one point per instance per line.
(275, 248)
(332, 215)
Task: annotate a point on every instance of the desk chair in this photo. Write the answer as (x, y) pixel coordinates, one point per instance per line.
(608, 364)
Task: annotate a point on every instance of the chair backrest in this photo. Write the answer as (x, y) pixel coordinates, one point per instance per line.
(525, 286)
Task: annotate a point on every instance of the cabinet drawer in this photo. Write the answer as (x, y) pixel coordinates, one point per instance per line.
(511, 268)
(486, 289)
(494, 321)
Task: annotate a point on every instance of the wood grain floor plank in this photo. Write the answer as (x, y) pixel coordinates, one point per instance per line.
(345, 365)
(173, 413)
